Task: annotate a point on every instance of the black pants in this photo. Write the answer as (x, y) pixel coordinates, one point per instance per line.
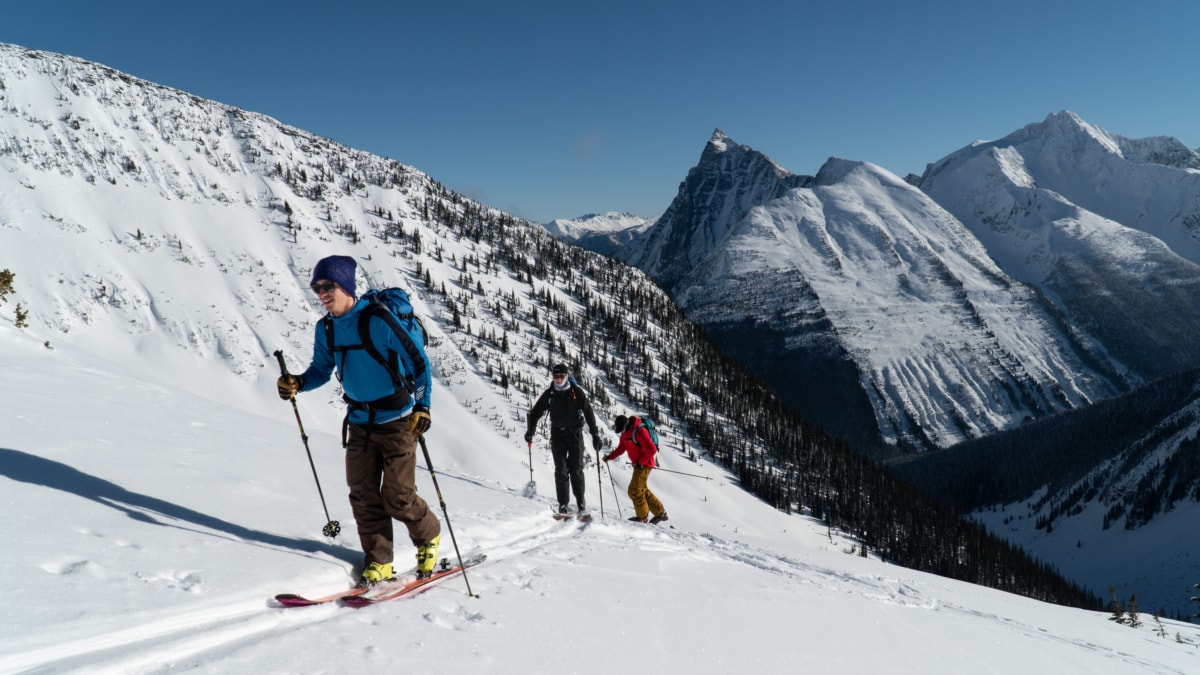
(566, 446)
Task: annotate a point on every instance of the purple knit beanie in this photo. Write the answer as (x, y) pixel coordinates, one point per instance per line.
(339, 269)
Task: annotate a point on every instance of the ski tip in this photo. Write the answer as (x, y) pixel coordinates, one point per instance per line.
(293, 600)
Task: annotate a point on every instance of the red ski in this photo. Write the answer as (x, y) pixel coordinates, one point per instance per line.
(293, 600)
(411, 588)
(378, 592)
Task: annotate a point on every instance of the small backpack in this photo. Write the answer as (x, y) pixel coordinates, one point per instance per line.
(578, 394)
(649, 424)
(394, 307)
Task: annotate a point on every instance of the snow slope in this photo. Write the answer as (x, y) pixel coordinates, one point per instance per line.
(150, 518)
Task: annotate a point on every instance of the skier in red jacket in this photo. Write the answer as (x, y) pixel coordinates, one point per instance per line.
(636, 442)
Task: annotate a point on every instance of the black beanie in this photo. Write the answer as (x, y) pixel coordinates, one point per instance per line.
(619, 422)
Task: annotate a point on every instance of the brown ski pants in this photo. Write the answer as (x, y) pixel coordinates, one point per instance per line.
(381, 474)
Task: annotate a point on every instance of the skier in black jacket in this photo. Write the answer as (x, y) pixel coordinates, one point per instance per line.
(569, 408)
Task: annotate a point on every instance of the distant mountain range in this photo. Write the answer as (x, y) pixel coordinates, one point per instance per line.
(605, 233)
(948, 306)
(951, 321)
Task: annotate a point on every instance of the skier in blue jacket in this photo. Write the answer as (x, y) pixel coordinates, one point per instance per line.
(382, 424)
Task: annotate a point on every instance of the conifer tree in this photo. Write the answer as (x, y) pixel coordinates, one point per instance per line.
(1134, 621)
(6, 282)
(1118, 612)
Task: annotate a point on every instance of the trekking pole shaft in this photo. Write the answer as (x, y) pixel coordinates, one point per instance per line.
(693, 475)
(614, 487)
(330, 525)
(312, 465)
(599, 485)
(445, 514)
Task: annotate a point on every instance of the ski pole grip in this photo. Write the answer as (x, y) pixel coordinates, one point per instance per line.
(282, 365)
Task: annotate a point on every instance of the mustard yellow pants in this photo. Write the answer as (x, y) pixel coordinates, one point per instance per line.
(643, 499)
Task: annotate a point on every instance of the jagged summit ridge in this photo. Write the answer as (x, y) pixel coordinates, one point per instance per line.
(857, 272)
(1106, 227)
(728, 180)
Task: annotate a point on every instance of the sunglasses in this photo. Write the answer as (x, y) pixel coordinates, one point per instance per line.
(323, 287)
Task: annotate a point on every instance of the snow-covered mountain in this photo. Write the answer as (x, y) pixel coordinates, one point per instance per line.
(609, 223)
(604, 233)
(157, 492)
(1128, 519)
(1093, 491)
(1032, 275)
(865, 303)
(1106, 227)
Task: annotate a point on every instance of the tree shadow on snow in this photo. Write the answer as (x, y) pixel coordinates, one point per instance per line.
(36, 470)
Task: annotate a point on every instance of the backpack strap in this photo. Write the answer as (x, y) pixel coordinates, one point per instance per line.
(392, 362)
(327, 323)
(579, 397)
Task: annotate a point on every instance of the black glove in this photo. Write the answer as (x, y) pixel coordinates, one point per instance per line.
(288, 386)
(418, 421)
(596, 442)
(608, 457)
(528, 436)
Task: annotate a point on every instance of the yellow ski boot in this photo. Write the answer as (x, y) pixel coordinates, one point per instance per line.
(427, 557)
(375, 573)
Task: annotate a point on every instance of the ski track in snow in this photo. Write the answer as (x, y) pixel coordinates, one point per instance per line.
(161, 640)
(520, 543)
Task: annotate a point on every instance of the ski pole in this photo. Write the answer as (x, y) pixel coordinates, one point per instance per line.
(532, 487)
(445, 514)
(332, 527)
(599, 485)
(614, 487)
(693, 475)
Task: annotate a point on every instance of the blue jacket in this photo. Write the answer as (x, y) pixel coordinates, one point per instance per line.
(362, 377)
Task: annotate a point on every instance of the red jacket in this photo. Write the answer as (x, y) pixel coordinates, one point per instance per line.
(641, 451)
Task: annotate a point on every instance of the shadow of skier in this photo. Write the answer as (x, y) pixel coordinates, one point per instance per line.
(27, 468)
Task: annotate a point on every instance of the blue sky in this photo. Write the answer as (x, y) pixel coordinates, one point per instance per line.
(557, 109)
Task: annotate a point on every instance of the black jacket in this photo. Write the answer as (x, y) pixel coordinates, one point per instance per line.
(568, 409)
